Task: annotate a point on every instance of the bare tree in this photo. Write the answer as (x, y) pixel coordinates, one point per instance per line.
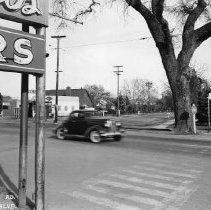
(196, 29)
(70, 11)
(137, 91)
(98, 94)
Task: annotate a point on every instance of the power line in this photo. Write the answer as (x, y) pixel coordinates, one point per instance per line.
(113, 42)
(106, 43)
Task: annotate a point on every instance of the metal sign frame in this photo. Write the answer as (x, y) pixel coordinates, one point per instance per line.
(33, 12)
(29, 13)
(21, 52)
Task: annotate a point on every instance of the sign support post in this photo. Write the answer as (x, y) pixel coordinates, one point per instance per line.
(23, 147)
(194, 111)
(24, 52)
(40, 140)
(209, 98)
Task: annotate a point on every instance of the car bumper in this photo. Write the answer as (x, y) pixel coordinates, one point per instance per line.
(112, 134)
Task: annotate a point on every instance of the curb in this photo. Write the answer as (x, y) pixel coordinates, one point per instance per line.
(197, 138)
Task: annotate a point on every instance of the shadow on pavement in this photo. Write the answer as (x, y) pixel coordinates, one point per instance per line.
(11, 189)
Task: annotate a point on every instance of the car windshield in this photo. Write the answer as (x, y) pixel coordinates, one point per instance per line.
(76, 114)
(89, 114)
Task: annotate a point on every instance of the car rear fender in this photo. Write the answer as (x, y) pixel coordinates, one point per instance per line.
(62, 126)
(95, 127)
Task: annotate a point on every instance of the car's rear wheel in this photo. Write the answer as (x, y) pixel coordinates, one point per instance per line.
(94, 136)
(60, 133)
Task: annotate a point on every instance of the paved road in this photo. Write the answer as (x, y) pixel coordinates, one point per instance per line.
(137, 173)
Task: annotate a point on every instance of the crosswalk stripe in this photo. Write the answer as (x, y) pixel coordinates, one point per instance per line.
(142, 181)
(185, 163)
(134, 188)
(138, 199)
(181, 168)
(167, 172)
(146, 201)
(155, 176)
(102, 201)
(177, 199)
(97, 189)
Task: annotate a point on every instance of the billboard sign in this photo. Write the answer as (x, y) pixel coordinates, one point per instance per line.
(25, 11)
(21, 52)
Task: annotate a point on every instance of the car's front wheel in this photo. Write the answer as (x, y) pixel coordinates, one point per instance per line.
(94, 136)
(60, 133)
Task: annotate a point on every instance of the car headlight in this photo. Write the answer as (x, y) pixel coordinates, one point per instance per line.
(108, 123)
(118, 124)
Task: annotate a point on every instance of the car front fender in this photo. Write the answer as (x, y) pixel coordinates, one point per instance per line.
(95, 127)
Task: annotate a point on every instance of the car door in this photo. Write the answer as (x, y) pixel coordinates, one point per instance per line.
(77, 124)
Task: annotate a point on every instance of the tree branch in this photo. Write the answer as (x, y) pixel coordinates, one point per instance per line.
(64, 18)
(139, 7)
(194, 15)
(157, 8)
(88, 10)
(152, 22)
(189, 37)
(203, 33)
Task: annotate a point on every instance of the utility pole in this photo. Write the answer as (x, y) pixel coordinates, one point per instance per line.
(149, 86)
(57, 76)
(118, 73)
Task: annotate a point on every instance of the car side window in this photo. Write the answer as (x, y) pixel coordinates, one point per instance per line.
(74, 115)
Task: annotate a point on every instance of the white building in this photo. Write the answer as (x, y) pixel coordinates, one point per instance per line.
(66, 104)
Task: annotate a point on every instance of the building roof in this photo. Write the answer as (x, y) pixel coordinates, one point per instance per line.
(84, 97)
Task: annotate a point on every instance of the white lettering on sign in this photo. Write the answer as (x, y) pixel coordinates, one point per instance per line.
(25, 56)
(3, 45)
(27, 7)
(28, 56)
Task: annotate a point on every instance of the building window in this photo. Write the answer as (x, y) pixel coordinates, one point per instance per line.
(66, 108)
(59, 108)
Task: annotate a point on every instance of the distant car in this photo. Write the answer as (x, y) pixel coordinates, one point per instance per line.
(89, 124)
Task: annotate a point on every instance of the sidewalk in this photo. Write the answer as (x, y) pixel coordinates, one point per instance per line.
(200, 137)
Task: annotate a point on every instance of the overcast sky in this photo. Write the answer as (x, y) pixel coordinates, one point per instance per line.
(89, 52)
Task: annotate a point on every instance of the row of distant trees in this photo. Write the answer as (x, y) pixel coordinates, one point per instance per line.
(136, 96)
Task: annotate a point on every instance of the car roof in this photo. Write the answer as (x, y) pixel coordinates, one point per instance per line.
(84, 110)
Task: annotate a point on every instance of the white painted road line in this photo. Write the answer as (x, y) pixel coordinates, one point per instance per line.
(155, 176)
(138, 199)
(102, 201)
(142, 181)
(167, 172)
(144, 190)
(180, 167)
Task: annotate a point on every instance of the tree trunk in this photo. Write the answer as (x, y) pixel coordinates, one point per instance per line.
(178, 74)
(182, 104)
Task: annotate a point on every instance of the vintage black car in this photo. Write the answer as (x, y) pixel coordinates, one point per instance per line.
(89, 124)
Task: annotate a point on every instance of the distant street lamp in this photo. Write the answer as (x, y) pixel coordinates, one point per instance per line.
(149, 86)
(57, 76)
(118, 73)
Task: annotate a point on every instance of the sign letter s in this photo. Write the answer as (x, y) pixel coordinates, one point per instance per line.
(27, 55)
(3, 45)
